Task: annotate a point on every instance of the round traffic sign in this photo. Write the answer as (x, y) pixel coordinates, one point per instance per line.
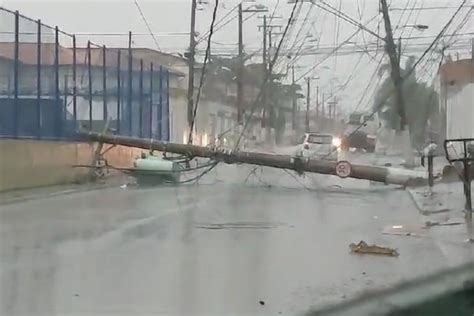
(343, 169)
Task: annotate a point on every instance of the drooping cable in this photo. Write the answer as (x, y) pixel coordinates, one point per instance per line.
(147, 25)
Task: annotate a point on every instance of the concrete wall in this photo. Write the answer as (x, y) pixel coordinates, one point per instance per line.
(460, 113)
(27, 163)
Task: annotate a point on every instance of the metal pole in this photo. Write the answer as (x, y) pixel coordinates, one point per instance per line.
(16, 79)
(308, 100)
(467, 188)
(160, 106)
(56, 83)
(317, 105)
(89, 75)
(323, 113)
(150, 115)
(118, 91)
(167, 108)
(74, 79)
(140, 100)
(293, 104)
(192, 47)
(129, 96)
(38, 80)
(430, 170)
(269, 105)
(323, 108)
(264, 85)
(65, 93)
(104, 83)
(240, 70)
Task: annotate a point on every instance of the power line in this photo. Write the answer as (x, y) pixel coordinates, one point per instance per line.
(408, 18)
(267, 74)
(439, 35)
(217, 26)
(427, 8)
(302, 41)
(346, 18)
(203, 70)
(360, 20)
(292, 29)
(302, 24)
(147, 25)
(344, 50)
(416, 21)
(461, 24)
(332, 52)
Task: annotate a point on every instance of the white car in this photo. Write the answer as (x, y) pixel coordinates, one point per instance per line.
(320, 146)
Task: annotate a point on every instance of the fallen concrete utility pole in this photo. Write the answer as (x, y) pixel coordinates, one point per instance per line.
(372, 173)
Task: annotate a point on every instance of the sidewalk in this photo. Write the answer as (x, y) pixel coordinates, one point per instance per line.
(16, 196)
(443, 197)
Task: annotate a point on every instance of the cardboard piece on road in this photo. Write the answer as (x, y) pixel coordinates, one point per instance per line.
(363, 248)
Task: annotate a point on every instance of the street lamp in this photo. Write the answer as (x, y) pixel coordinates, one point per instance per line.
(419, 27)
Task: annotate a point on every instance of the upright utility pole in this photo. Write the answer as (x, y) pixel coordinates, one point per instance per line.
(293, 105)
(395, 64)
(317, 104)
(192, 49)
(264, 86)
(308, 99)
(240, 70)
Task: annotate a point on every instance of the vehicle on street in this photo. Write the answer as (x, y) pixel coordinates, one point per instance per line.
(361, 132)
(322, 146)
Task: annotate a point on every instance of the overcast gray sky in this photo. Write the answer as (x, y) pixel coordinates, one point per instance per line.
(170, 22)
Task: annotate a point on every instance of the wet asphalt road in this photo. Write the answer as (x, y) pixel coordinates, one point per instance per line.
(217, 248)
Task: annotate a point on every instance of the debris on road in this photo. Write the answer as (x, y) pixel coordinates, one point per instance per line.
(429, 224)
(261, 303)
(363, 248)
(404, 230)
(240, 225)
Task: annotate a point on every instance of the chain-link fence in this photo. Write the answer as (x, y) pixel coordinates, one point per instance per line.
(52, 87)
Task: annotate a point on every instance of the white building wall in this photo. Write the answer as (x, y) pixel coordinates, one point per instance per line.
(212, 119)
(460, 113)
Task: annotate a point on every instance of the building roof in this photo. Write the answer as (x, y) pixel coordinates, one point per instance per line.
(28, 53)
(28, 56)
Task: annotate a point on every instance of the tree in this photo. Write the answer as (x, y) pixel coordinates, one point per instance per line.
(421, 104)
